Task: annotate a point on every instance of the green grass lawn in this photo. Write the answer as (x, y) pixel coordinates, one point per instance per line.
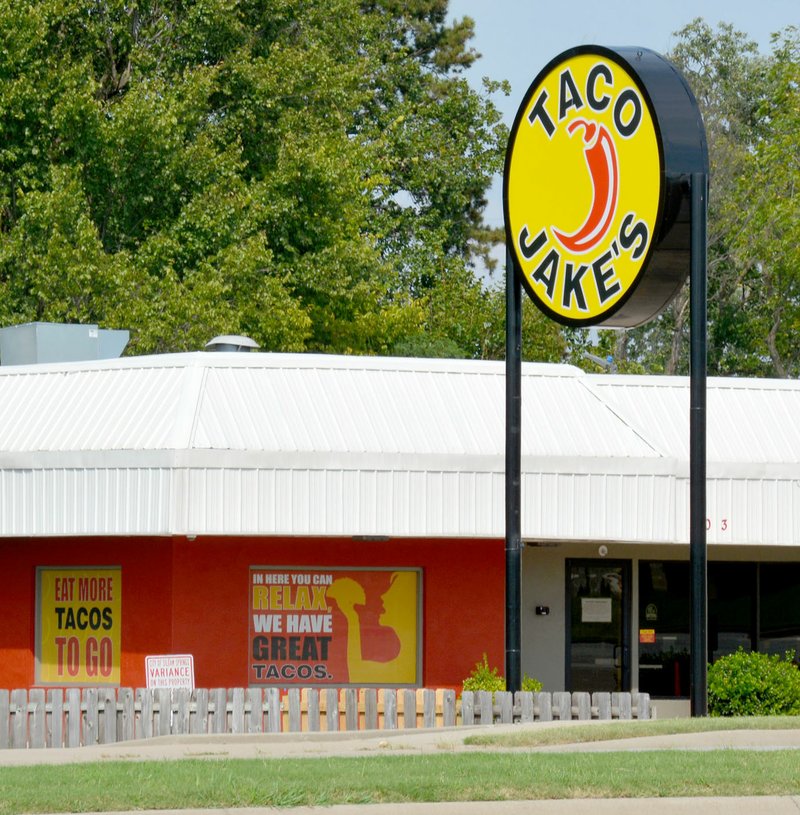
(576, 733)
(471, 776)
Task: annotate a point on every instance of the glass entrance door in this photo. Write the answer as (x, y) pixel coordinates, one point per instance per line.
(598, 625)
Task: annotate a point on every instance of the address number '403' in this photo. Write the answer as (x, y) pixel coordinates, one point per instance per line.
(723, 525)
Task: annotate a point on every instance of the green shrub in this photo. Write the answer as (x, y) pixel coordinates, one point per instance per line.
(531, 684)
(753, 684)
(482, 677)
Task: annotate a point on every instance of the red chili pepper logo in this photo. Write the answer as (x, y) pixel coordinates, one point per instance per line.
(601, 159)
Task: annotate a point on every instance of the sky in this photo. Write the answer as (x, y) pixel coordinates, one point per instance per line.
(517, 38)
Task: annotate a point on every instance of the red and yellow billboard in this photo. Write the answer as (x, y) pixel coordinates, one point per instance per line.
(78, 626)
(315, 626)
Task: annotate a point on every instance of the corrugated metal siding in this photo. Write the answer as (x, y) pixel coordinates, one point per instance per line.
(618, 507)
(312, 502)
(54, 502)
(762, 510)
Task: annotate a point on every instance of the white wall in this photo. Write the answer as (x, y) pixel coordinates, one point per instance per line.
(544, 584)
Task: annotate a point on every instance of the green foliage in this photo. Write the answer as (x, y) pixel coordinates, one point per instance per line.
(531, 685)
(483, 677)
(754, 684)
(749, 104)
(310, 174)
(770, 248)
(314, 175)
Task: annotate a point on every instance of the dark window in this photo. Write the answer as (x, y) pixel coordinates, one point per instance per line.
(664, 628)
(731, 608)
(780, 608)
(750, 605)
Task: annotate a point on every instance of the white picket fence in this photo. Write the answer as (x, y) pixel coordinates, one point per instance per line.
(84, 716)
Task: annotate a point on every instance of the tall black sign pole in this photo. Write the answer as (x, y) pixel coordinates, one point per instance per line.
(698, 644)
(596, 205)
(513, 477)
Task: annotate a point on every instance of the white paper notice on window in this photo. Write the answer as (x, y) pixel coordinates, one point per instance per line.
(595, 609)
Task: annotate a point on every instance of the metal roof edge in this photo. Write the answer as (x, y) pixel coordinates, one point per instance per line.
(273, 360)
(277, 460)
(712, 383)
(204, 359)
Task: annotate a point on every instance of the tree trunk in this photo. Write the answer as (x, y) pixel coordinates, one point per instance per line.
(772, 346)
(679, 307)
(621, 347)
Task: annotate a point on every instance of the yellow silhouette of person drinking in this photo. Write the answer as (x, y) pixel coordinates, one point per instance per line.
(399, 614)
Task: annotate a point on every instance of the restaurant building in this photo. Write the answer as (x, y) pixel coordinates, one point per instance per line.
(308, 519)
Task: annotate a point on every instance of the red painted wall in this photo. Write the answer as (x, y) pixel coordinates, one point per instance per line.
(182, 596)
(146, 598)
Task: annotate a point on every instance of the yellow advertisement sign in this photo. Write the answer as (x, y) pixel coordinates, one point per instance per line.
(318, 626)
(583, 188)
(78, 626)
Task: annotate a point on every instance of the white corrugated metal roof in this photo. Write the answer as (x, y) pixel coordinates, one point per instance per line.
(283, 403)
(750, 421)
(310, 444)
(75, 408)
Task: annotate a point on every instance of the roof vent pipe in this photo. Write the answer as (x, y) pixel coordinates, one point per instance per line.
(231, 342)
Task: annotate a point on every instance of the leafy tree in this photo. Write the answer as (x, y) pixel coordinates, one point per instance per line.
(728, 78)
(749, 106)
(770, 246)
(462, 318)
(311, 174)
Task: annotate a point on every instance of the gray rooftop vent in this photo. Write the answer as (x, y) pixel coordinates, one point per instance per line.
(231, 342)
(32, 343)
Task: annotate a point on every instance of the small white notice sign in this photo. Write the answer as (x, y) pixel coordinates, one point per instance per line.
(174, 671)
(596, 610)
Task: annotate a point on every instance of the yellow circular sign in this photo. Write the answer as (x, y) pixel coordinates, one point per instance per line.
(583, 187)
